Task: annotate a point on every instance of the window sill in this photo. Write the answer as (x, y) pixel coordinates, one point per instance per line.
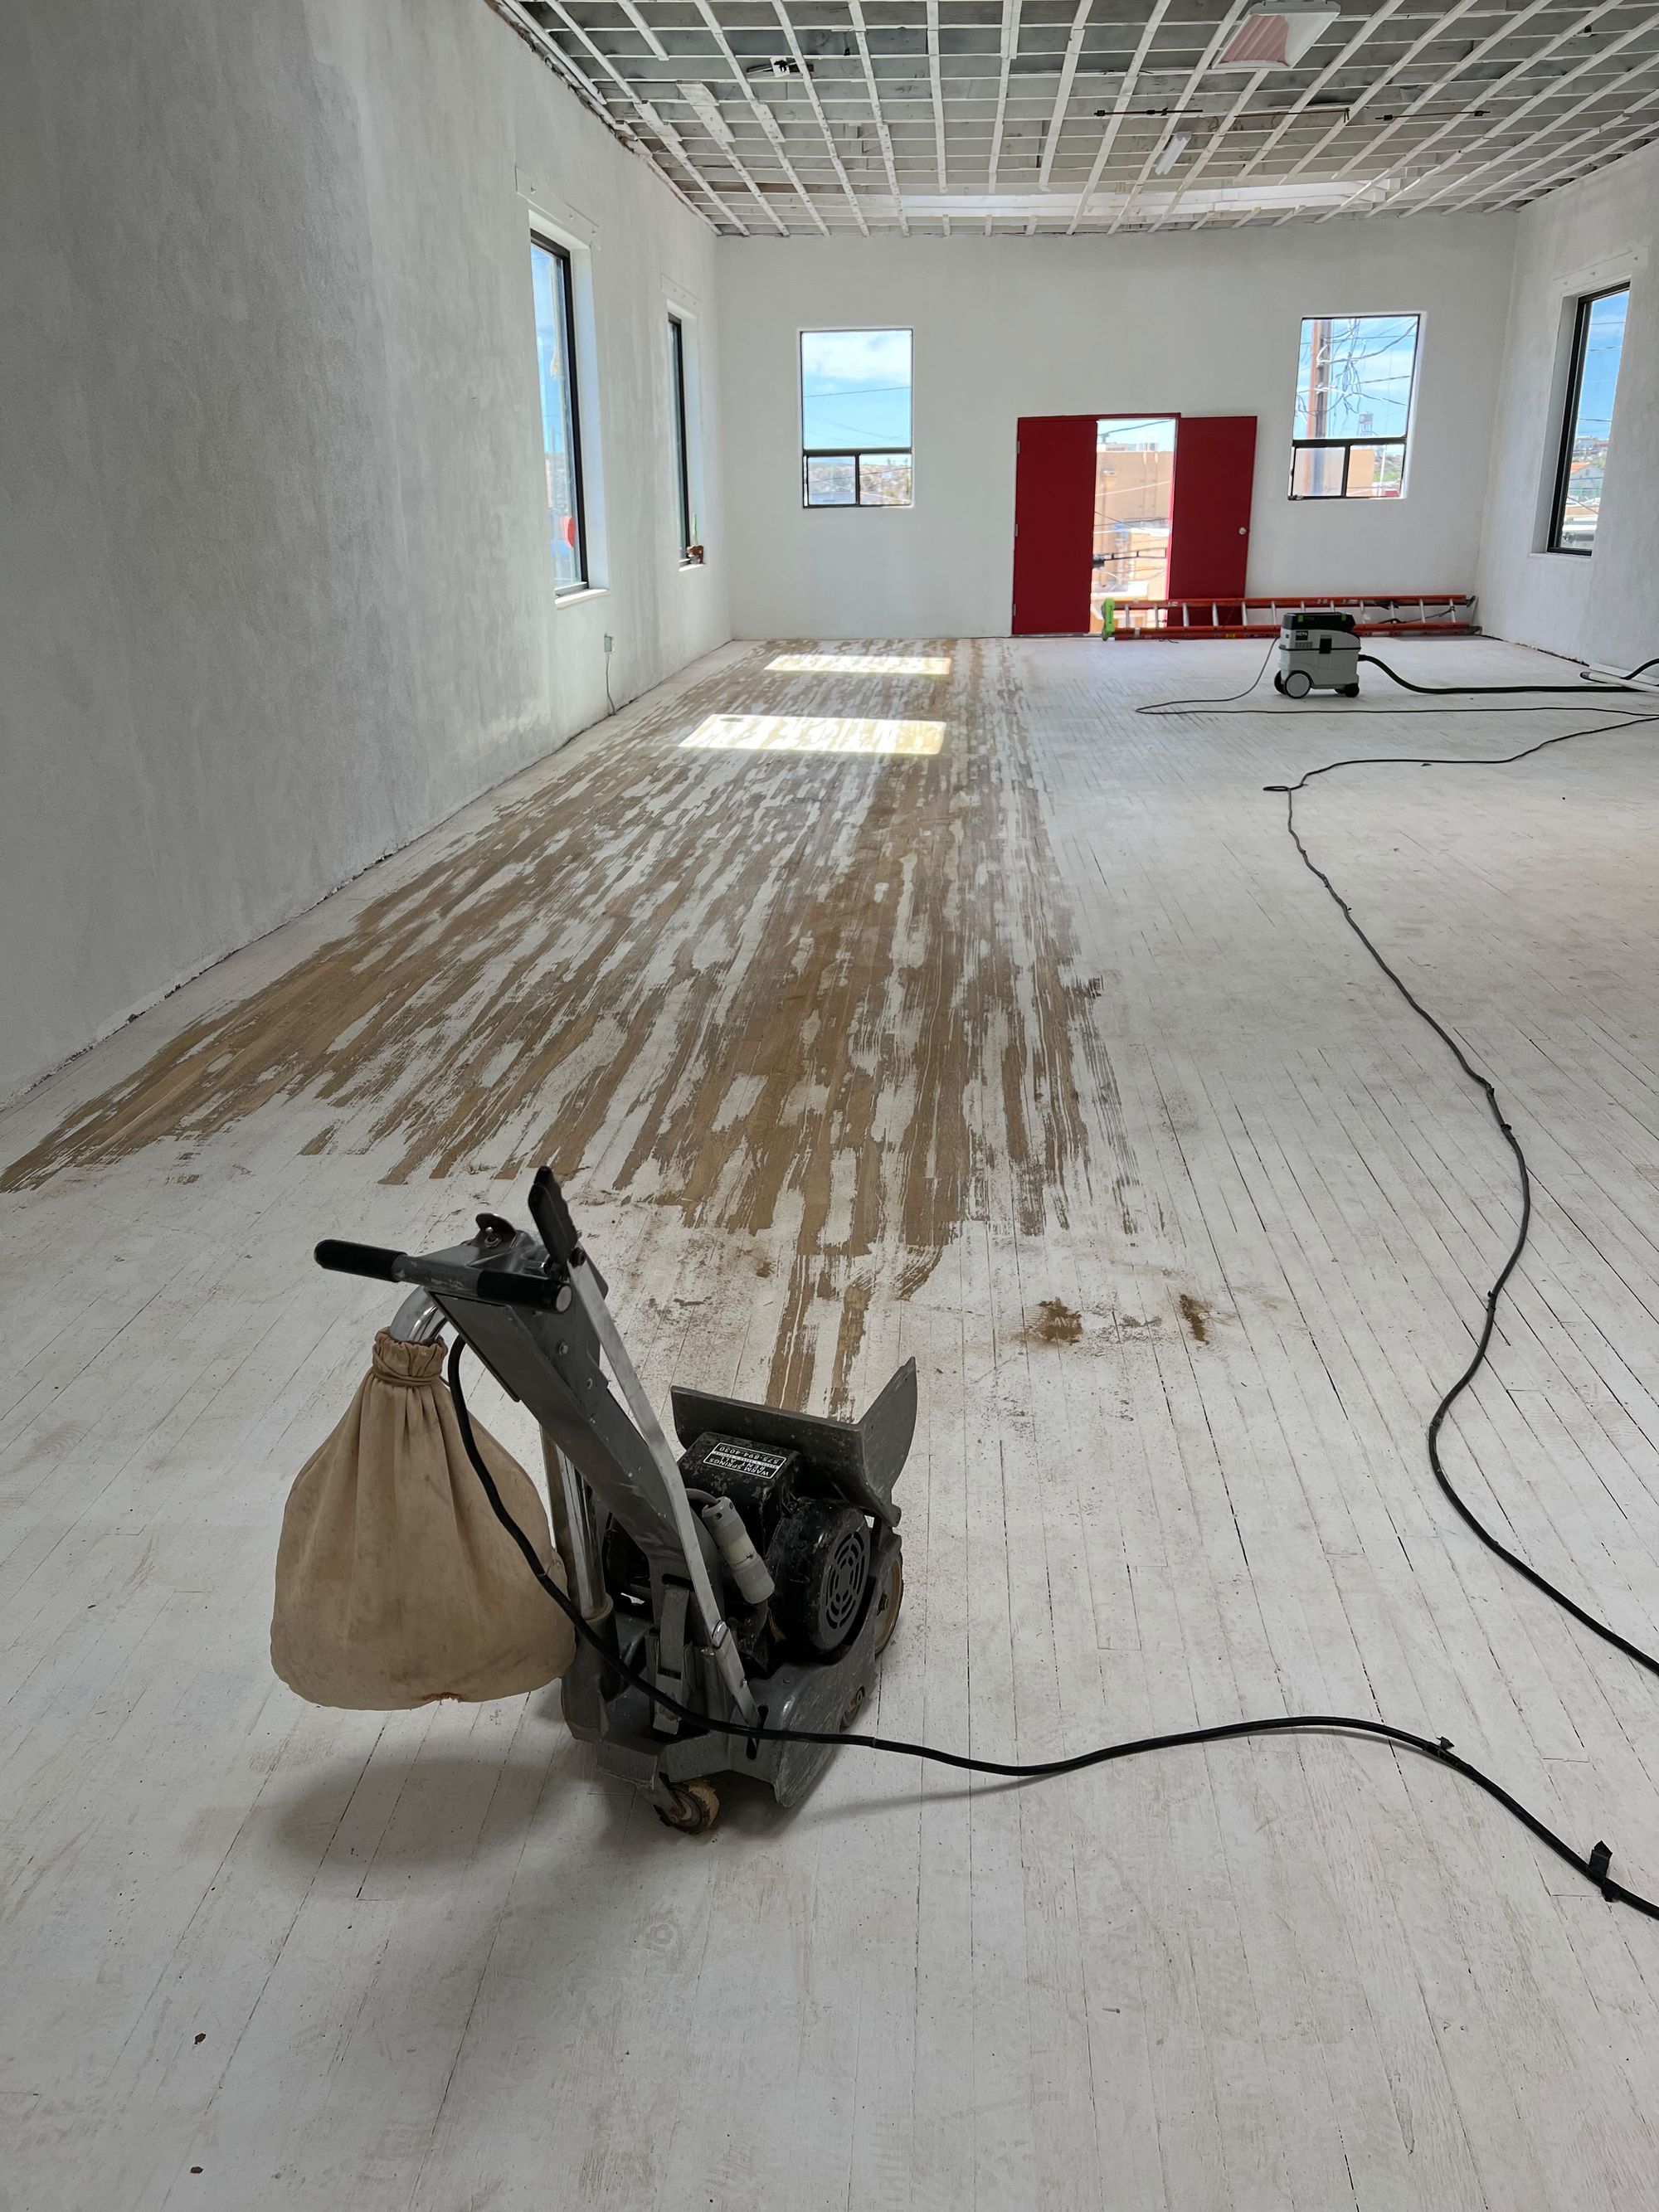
(691, 566)
(579, 593)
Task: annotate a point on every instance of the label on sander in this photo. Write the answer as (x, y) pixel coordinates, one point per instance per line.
(730, 1457)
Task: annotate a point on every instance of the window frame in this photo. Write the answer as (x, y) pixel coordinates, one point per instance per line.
(1368, 439)
(1346, 445)
(566, 295)
(857, 455)
(1584, 305)
(678, 373)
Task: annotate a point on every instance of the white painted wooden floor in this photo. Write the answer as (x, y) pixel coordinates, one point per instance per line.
(257, 1954)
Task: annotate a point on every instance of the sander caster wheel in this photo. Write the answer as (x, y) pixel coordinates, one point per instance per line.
(693, 1808)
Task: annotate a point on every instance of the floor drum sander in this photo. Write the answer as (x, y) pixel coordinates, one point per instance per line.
(722, 1609)
(754, 1577)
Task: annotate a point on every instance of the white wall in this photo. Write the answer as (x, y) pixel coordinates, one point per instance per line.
(275, 586)
(1581, 239)
(1203, 323)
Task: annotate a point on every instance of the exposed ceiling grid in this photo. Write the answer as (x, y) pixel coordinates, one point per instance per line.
(1550, 98)
(866, 64)
(1063, 91)
(1005, 49)
(1604, 152)
(786, 25)
(770, 126)
(1207, 152)
(1366, 154)
(1562, 37)
(1183, 106)
(1512, 76)
(1030, 116)
(938, 90)
(1311, 92)
(1149, 31)
(1321, 155)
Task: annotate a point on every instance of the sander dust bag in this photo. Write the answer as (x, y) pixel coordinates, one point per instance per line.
(395, 1584)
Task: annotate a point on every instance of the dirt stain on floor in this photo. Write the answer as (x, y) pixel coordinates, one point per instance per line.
(833, 990)
(1198, 1314)
(1056, 1323)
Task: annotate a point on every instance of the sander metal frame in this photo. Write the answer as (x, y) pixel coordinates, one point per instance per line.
(532, 1306)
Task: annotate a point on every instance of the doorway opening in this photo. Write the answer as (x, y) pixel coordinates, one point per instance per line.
(1134, 500)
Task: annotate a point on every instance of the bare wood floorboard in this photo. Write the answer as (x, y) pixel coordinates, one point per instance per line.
(1040, 1057)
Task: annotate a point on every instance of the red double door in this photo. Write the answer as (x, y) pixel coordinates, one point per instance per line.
(1054, 516)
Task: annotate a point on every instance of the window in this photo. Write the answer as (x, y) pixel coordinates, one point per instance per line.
(562, 443)
(688, 526)
(1354, 406)
(1598, 339)
(855, 418)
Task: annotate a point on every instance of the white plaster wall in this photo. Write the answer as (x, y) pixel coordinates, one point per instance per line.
(1579, 239)
(1204, 324)
(275, 588)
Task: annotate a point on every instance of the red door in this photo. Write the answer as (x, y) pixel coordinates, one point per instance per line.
(1053, 524)
(1210, 524)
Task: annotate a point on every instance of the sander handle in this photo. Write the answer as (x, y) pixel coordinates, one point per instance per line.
(347, 1258)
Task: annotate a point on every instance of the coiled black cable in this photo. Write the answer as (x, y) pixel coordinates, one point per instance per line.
(1485, 1086)
(1594, 1865)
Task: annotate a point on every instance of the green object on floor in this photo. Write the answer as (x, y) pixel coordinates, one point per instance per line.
(1108, 617)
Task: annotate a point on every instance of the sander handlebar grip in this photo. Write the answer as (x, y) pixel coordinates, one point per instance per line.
(343, 1258)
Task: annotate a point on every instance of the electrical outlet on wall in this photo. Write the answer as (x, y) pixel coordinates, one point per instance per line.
(609, 640)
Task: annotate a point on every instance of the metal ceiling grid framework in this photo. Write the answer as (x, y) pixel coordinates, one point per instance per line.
(773, 116)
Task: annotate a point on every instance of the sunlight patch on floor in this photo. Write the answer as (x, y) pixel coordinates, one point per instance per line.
(860, 664)
(812, 733)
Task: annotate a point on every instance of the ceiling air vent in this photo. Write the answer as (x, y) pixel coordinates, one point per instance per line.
(1275, 38)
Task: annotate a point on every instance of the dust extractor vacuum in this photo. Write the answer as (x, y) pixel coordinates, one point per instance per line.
(1318, 650)
(749, 1581)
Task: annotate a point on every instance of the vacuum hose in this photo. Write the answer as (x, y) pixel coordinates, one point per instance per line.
(1493, 690)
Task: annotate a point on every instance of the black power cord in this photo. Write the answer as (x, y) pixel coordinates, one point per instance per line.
(1594, 1867)
(1484, 1084)
(1169, 705)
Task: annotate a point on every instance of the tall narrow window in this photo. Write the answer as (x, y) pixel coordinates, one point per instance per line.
(562, 444)
(1354, 406)
(682, 441)
(1598, 340)
(855, 418)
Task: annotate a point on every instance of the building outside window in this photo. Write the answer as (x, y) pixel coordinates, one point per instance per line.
(855, 418)
(1598, 342)
(1354, 383)
(561, 413)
